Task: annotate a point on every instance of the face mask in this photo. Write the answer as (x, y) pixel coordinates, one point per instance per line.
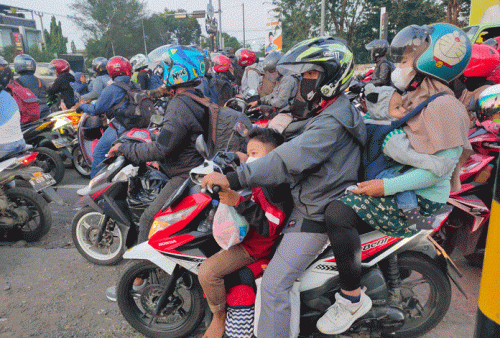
(251, 159)
(400, 77)
(307, 87)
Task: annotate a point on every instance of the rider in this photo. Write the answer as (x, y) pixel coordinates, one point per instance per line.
(146, 79)
(440, 129)
(62, 85)
(223, 79)
(319, 163)
(119, 70)
(12, 139)
(25, 66)
(100, 81)
(381, 75)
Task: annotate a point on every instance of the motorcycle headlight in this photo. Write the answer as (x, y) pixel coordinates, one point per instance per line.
(163, 222)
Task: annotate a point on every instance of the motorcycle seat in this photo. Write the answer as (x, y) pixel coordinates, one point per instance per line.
(14, 154)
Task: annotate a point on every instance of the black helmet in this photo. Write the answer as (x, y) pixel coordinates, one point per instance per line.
(5, 73)
(99, 65)
(271, 60)
(24, 63)
(229, 52)
(331, 55)
(378, 48)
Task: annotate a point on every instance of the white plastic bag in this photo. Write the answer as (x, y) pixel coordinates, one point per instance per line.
(230, 228)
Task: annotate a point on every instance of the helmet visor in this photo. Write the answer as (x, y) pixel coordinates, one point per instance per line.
(410, 42)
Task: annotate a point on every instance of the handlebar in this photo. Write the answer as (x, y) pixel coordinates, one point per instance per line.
(216, 189)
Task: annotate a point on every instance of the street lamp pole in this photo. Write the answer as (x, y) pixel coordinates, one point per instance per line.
(220, 27)
(243, 4)
(144, 38)
(322, 28)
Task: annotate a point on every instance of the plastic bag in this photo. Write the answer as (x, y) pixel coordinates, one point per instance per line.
(230, 228)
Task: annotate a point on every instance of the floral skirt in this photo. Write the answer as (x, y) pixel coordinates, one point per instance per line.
(383, 214)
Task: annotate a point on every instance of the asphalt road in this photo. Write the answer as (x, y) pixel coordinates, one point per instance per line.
(49, 290)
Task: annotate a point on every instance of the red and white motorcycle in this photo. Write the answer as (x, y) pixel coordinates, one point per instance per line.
(408, 279)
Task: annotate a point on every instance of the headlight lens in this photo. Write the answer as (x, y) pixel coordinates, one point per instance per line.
(163, 222)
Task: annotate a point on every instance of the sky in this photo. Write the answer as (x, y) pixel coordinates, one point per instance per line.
(255, 15)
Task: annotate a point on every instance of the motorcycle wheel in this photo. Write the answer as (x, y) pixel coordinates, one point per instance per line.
(426, 293)
(79, 163)
(185, 307)
(84, 231)
(50, 162)
(39, 217)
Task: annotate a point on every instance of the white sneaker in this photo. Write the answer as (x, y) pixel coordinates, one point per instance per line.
(340, 316)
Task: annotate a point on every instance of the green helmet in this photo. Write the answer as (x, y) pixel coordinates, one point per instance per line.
(330, 54)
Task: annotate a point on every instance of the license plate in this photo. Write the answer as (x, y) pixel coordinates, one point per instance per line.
(40, 181)
(61, 142)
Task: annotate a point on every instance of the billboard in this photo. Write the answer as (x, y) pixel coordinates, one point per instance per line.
(274, 41)
(484, 11)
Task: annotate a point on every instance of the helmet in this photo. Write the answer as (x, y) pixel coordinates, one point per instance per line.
(5, 72)
(378, 48)
(139, 61)
(489, 102)
(271, 60)
(182, 66)
(484, 60)
(441, 51)
(221, 63)
(229, 51)
(330, 55)
(24, 63)
(157, 54)
(99, 65)
(118, 65)
(245, 57)
(60, 66)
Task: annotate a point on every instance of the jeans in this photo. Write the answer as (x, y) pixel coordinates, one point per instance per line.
(405, 199)
(102, 148)
(11, 148)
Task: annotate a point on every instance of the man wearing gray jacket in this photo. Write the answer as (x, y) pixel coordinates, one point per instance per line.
(99, 82)
(319, 164)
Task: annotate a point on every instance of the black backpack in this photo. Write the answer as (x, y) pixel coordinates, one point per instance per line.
(224, 88)
(139, 110)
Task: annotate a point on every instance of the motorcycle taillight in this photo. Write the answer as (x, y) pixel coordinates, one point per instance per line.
(27, 160)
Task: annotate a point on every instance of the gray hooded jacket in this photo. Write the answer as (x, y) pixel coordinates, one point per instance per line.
(96, 86)
(285, 91)
(319, 164)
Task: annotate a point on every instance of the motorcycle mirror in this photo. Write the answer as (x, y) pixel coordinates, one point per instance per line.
(201, 146)
(157, 119)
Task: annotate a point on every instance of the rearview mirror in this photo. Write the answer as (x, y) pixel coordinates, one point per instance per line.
(201, 146)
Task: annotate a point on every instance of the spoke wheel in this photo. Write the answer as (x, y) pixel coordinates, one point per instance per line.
(80, 164)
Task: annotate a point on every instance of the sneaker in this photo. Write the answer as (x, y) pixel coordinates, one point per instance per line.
(83, 191)
(111, 293)
(340, 316)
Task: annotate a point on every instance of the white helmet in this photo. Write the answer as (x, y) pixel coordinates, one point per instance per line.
(139, 62)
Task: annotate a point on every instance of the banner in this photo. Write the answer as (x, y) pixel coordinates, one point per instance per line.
(274, 41)
(484, 12)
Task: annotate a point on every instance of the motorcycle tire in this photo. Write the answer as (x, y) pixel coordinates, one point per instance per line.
(84, 230)
(79, 163)
(439, 296)
(39, 212)
(476, 258)
(50, 162)
(133, 304)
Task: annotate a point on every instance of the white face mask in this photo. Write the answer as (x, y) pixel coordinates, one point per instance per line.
(401, 78)
(251, 159)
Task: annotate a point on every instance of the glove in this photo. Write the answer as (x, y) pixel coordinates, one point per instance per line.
(79, 110)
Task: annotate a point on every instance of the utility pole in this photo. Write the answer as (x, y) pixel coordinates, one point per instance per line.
(322, 28)
(40, 15)
(220, 27)
(144, 38)
(243, 4)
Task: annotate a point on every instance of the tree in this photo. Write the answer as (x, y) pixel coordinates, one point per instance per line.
(457, 11)
(41, 55)
(73, 47)
(55, 40)
(231, 41)
(8, 53)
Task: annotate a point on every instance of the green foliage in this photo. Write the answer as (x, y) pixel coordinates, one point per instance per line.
(73, 47)
(8, 53)
(55, 40)
(41, 56)
(231, 41)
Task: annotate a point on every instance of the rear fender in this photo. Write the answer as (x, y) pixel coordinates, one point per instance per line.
(144, 251)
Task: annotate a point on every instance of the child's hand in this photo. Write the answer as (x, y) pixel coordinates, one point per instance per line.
(229, 197)
(373, 188)
(243, 157)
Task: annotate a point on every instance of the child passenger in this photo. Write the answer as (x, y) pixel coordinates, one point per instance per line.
(386, 104)
(266, 212)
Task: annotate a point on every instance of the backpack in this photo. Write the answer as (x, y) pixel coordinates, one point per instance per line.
(224, 88)
(374, 160)
(268, 84)
(28, 103)
(139, 110)
(224, 132)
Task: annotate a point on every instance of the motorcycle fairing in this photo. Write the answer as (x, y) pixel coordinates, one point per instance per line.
(146, 251)
(136, 134)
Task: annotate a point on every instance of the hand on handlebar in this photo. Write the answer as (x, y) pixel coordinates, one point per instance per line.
(114, 151)
(253, 104)
(215, 179)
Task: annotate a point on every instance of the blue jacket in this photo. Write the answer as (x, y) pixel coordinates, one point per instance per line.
(38, 88)
(78, 86)
(96, 87)
(110, 96)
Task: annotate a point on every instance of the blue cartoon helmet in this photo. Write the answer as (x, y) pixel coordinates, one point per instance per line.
(182, 66)
(441, 50)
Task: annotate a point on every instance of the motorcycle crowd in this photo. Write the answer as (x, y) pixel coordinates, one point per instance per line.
(269, 198)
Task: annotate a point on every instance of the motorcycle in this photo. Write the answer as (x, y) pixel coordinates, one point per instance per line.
(26, 192)
(108, 216)
(408, 279)
(89, 132)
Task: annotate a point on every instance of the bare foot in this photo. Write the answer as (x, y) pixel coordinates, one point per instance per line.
(217, 326)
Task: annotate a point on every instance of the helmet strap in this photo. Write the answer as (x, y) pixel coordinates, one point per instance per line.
(416, 82)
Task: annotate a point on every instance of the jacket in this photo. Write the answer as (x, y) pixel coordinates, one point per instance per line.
(283, 94)
(252, 80)
(184, 120)
(381, 75)
(38, 88)
(62, 85)
(10, 119)
(110, 96)
(78, 86)
(96, 87)
(319, 164)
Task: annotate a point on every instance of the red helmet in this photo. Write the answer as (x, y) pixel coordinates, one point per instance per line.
(118, 65)
(221, 63)
(60, 66)
(484, 60)
(245, 57)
